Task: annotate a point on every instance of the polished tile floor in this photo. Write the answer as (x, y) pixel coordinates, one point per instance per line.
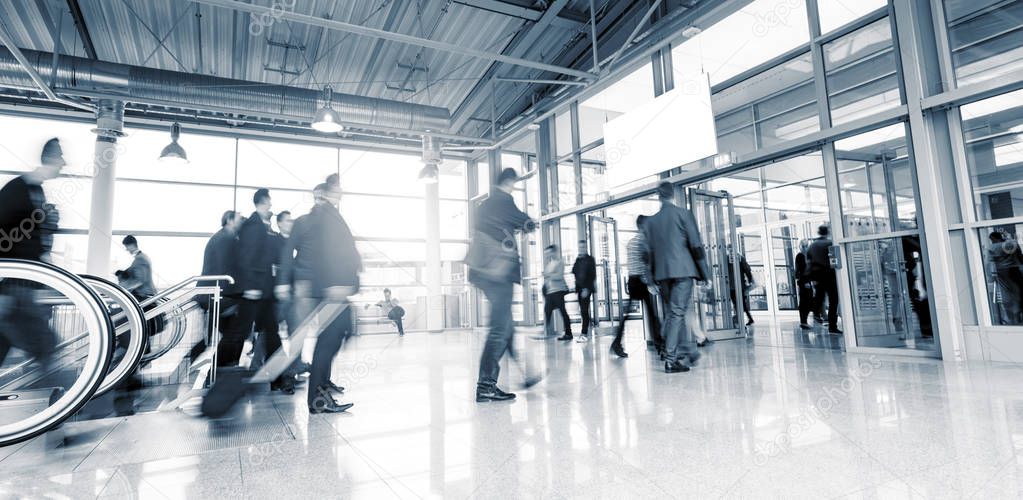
(751, 421)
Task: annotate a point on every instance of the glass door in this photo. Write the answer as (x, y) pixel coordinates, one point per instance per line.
(719, 302)
(885, 258)
(604, 249)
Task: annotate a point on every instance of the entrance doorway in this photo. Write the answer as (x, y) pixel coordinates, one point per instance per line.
(719, 303)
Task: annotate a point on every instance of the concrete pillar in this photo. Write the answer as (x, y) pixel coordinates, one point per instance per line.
(432, 275)
(109, 124)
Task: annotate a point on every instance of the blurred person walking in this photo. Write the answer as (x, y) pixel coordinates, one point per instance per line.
(257, 254)
(322, 264)
(826, 281)
(495, 268)
(27, 224)
(804, 281)
(639, 284)
(554, 291)
(585, 271)
(679, 259)
(1006, 269)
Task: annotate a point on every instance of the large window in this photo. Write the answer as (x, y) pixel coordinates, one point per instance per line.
(986, 38)
(776, 105)
(758, 32)
(837, 13)
(994, 153)
(861, 73)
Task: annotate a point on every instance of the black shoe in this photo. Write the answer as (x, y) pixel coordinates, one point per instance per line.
(334, 387)
(493, 394)
(835, 331)
(565, 337)
(702, 343)
(750, 322)
(333, 407)
(617, 350)
(805, 326)
(693, 358)
(675, 367)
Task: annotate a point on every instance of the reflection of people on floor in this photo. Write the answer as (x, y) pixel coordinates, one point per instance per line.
(554, 290)
(746, 274)
(1006, 267)
(824, 276)
(805, 284)
(389, 306)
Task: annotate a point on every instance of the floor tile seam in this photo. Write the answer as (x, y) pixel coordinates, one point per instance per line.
(992, 476)
(624, 460)
(884, 465)
(18, 448)
(382, 473)
(98, 443)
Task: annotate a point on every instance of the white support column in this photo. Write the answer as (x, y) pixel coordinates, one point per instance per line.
(932, 156)
(432, 276)
(109, 123)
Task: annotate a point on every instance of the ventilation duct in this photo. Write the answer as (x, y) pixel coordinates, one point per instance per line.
(99, 79)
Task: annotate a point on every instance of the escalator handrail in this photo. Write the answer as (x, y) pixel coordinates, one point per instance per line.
(194, 279)
(136, 323)
(179, 333)
(94, 311)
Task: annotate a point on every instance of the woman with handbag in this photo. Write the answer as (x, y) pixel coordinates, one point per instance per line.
(494, 267)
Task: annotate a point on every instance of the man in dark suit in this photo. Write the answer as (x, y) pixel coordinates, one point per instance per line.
(678, 259)
(320, 260)
(139, 275)
(819, 262)
(585, 272)
(27, 224)
(257, 253)
(218, 259)
(497, 221)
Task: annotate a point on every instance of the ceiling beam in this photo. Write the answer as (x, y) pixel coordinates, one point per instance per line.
(566, 19)
(389, 35)
(519, 47)
(83, 30)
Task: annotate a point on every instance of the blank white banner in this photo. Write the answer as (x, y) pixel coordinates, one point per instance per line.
(672, 130)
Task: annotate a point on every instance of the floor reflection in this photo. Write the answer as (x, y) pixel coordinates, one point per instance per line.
(778, 418)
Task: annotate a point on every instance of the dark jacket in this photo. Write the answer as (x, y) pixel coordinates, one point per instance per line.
(817, 255)
(22, 220)
(140, 276)
(322, 251)
(220, 258)
(802, 272)
(745, 272)
(674, 239)
(499, 218)
(257, 254)
(585, 272)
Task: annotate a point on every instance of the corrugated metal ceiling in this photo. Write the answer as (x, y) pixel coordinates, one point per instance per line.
(184, 36)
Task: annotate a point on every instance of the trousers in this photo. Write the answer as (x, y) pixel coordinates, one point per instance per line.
(499, 337)
(677, 294)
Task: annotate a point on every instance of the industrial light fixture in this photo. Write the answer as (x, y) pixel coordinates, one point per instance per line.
(326, 119)
(174, 153)
(429, 173)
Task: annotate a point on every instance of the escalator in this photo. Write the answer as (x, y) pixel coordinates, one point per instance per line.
(66, 323)
(87, 336)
